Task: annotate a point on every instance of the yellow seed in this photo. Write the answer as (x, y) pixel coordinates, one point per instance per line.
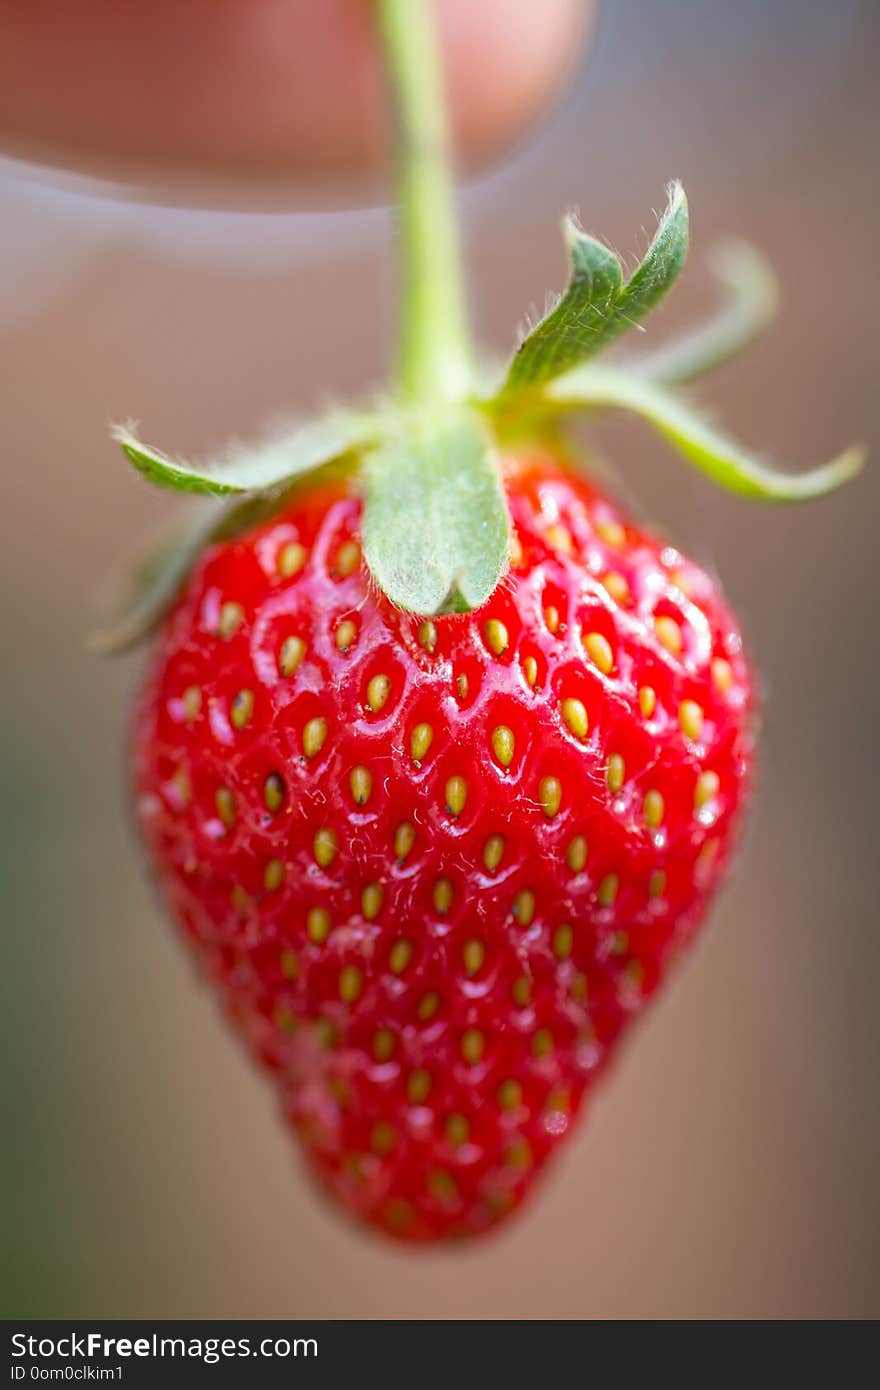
(616, 772)
(550, 796)
(371, 900)
(574, 716)
(378, 691)
(669, 634)
(442, 895)
(274, 791)
(289, 965)
(383, 1044)
(353, 1162)
(708, 784)
(551, 618)
(690, 718)
(457, 1129)
(224, 802)
(418, 1086)
(401, 955)
(496, 636)
(420, 740)
(599, 651)
(473, 954)
(579, 988)
(515, 551)
(461, 687)
(285, 1020)
(647, 700)
(510, 1094)
(383, 1137)
(348, 557)
(327, 1033)
(657, 884)
(181, 784)
(325, 845)
(442, 1185)
(273, 875)
(706, 857)
(428, 1005)
(616, 586)
(524, 907)
(230, 620)
(653, 809)
(398, 1214)
(493, 852)
(563, 941)
(427, 635)
(361, 782)
(576, 854)
(542, 1043)
(456, 795)
(351, 982)
(530, 670)
(314, 734)
(503, 744)
(404, 839)
(681, 581)
(472, 1045)
(560, 538)
(318, 924)
(722, 674)
(346, 634)
(239, 899)
(635, 975)
(498, 1204)
(558, 1102)
(291, 654)
(291, 559)
(611, 532)
(608, 890)
(242, 708)
(192, 703)
(522, 991)
(518, 1154)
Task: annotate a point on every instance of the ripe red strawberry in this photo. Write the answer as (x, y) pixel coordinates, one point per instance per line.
(436, 867)
(436, 863)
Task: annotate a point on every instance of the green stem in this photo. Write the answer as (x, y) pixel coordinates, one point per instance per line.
(434, 351)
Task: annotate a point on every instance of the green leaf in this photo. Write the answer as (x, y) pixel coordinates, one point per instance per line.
(598, 307)
(435, 525)
(281, 458)
(709, 451)
(749, 304)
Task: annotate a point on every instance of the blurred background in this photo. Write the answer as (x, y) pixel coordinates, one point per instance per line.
(731, 1166)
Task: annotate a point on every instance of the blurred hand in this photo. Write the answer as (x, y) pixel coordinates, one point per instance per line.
(265, 88)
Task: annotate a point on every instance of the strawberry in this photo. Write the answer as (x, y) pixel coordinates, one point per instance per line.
(440, 756)
(436, 867)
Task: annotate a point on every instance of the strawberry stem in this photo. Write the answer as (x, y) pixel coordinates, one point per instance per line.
(434, 348)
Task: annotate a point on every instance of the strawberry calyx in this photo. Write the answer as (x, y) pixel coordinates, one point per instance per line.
(435, 523)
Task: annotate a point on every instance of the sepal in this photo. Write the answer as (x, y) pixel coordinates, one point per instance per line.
(287, 455)
(598, 306)
(725, 462)
(435, 526)
(147, 592)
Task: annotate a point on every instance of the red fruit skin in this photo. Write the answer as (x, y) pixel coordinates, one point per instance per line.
(433, 1046)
